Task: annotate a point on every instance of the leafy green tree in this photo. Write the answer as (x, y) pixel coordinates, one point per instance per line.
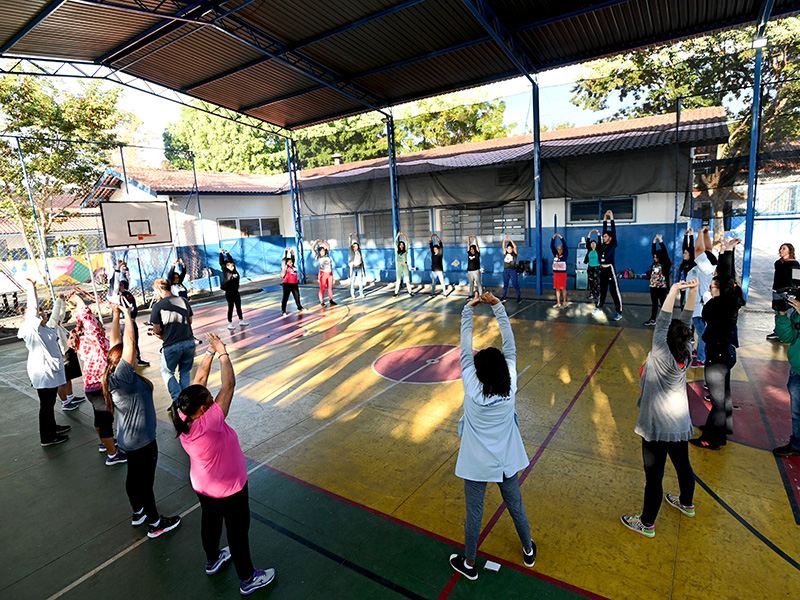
(60, 173)
(715, 70)
(558, 126)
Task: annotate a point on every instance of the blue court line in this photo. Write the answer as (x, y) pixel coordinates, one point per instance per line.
(747, 525)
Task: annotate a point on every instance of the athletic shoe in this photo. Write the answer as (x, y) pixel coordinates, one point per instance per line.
(787, 450)
(283, 314)
(459, 564)
(704, 443)
(61, 429)
(597, 312)
(675, 501)
(332, 303)
(56, 440)
(503, 299)
(617, 316)
(300, 309)
(101, 447)
(69, 405)
(705, 385)
(410, 295)
(694, 353)
(164, 525)
(707, 398)
(260, 579)
(529, 559)
(635, 524)
(697, 364)
(395, 295)
(138, 518)
(77, 399)
(224, 556)
(231, 326)
(143, 363)
(649, 323)
(773, 337)
(556, 306)
(119, 458)
(244, 323)
(519, 300)
(197, 342)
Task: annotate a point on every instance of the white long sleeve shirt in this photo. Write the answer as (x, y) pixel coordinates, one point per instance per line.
(45, 360)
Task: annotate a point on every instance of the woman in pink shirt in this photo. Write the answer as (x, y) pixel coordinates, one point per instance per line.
(218, 471)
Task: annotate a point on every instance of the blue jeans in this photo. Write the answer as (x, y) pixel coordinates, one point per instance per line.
(440, 276)
(180, 356)
(700, 328)
(474, 491)
(357, 276)
(513, 276)
(794, 396)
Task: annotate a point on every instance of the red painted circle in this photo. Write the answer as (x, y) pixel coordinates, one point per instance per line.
(438, 363)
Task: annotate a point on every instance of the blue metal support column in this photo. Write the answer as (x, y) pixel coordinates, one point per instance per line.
(294, 190)
(675, 241)
(537, 185)
(202, 226)
(395, 189)
(755, 131)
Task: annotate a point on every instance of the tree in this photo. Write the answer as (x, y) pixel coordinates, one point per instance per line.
(558, 126)
(715, 70)
(60, 172)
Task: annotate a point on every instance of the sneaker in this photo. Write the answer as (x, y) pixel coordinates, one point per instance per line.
(138, 518)
(707, 398)
(119, 458)
(676, 502)
(503, 299)
(244, 323)
(787, 450)
(705, 385)
(410, 295)
(773, 337)
(459, 564)
(61, 429)
(101, 447)
(556, 306)
(332, 303)
(143, 363)
(706, 444)
(529, 559)
(164, 525)
(197, 342)
(617, 316)
(300, 309)
(649, 323)
(395, 295)
(635, 524)
(231, 326)
(597, 312)
(260, 579)
(77, 399)
(519, 300)
(283, 314)
(694, 353)
(224, 556)
(69, 405)
(58, 439)
(697, 364)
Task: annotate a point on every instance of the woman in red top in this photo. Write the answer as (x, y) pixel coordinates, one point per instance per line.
(290, 283)
(218, 470)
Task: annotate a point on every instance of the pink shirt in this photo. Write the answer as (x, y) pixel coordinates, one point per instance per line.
(291, 275)
(218, 467)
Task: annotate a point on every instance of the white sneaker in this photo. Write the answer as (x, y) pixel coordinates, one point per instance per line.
(283, 314)
(244, 323)
(597, 312)
(231, 326)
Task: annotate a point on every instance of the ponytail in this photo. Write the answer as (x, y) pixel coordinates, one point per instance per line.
(189, 401)
(180, 425)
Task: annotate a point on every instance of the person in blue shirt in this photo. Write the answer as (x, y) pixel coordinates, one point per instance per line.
(608, 272)
(491, 444)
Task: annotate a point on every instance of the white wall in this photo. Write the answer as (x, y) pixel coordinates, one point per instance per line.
(651, 208)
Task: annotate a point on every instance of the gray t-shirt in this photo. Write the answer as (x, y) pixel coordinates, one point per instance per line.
(133, 405)
(325, 263)
(173, 313)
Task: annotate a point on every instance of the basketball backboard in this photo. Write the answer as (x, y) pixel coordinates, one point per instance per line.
(135, 223)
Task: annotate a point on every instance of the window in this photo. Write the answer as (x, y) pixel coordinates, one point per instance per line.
(228, 229)
(581, 211)
(270, 227)
(249, 227)
(489, 224)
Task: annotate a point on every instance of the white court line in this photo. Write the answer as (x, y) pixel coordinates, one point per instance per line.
(22, 390)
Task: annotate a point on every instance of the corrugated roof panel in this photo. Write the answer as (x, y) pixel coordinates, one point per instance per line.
(16, 15)
(81, 32)
(312, 106)
(157, 45)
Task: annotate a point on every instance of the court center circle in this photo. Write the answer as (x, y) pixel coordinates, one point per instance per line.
(435, 363)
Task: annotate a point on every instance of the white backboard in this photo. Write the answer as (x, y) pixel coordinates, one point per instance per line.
(135, 223)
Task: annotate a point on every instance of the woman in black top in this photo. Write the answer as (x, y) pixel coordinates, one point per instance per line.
(474, 266)
(660, 277)
(230, 284)
(720, 315)
(782, 278)
(687, 264)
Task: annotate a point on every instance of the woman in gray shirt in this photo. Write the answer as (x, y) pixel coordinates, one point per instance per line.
(322, 251)
(664, 422)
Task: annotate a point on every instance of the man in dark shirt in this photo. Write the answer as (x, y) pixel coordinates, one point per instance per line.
(608, 272)
(171, 318)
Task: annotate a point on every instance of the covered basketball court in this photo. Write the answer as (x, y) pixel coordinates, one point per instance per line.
(348, 415)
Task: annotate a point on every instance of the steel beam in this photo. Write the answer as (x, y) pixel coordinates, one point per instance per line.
(276, 99)
(395, 190)
(43, 14)
(537, 183)
(294, 190)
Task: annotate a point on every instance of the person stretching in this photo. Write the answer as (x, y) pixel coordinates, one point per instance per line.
(510, 268)
(437, 264)
(560, 254)
(130, 396)
(290, 283)
(72, 366)
(358, 271)
(230, 284)
(121, 294)
(474, 266)
(176, 275)
(45, 366)
(782, 279)
(491, 445)
(401, 264)
(218, 470)
(687, 262)
(664, 422)
(322, 252)
(660, 275)
(608, 272)
(593, 271)
(703, 271)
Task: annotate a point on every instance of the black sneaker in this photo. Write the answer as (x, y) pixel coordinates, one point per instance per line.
(705, 443)
(395, 295)
(333, 303)
(787, 450)
(143, 363)
(322, 304)
(59, 439)
(519, 300)
(529, 559)
(77, 399)
(773, 337)
(138, 518)
(649, 323)
(164, 525)
(459, 564)
(61, 429)
(503, 299)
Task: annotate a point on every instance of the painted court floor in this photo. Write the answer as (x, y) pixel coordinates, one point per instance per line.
(348, 419)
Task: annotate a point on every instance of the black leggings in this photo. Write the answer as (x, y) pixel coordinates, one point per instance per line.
(47, 415)
(141, 478)
(234, 299)
(655, 457)
(294, 290)
(719, 424)
(235, 510)
(103, 420)
(657, 297)
(608, 282)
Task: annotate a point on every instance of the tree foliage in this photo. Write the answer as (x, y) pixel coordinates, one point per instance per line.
(716, 70)
(60, 172)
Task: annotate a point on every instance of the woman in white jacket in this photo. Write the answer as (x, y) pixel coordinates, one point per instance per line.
(72, 366)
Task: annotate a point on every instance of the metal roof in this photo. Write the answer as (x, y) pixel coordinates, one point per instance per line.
(302, 62)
